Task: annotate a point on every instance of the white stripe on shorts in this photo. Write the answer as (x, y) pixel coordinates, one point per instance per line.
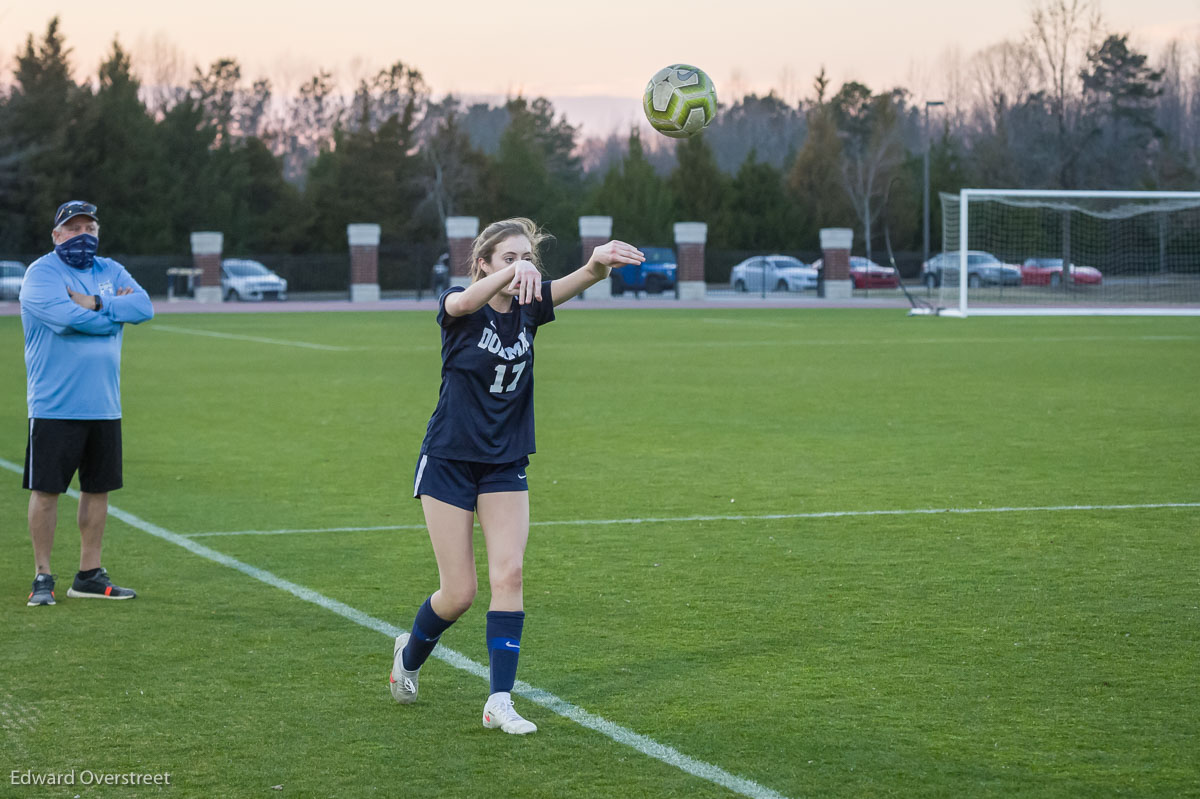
(31, 453)
(420, 471)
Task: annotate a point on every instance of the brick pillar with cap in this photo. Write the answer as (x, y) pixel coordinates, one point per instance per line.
(206, 255)
(835, 248)
(689, 249)
(364, 262)
(460, 235)
(594, 231)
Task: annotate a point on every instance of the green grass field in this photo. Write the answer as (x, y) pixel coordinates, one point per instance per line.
(1015, 651)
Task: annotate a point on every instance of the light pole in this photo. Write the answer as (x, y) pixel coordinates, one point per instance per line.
(925, 195)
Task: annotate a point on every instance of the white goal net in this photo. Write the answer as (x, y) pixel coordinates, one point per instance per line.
(1011, 252)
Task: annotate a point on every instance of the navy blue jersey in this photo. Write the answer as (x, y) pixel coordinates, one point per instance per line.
(485, 405)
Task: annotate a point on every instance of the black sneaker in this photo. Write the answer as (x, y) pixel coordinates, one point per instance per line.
(43, 590)
(98, 587)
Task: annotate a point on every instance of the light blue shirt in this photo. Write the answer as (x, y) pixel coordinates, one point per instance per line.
(72, 354)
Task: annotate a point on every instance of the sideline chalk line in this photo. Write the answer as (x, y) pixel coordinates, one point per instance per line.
(193, 331)
(834, 514)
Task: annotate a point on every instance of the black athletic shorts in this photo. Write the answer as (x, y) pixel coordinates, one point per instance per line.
(460, 483)
(57, 448)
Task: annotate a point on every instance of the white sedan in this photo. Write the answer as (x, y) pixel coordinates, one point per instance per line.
(773, 273)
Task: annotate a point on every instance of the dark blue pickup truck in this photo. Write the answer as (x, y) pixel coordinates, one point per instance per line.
(654, 276)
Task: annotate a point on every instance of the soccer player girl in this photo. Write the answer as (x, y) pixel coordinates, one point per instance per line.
(476, 450)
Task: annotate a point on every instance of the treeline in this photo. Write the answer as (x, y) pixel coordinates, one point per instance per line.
(1066, 108)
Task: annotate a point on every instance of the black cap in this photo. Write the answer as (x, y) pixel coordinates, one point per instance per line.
(74, 208)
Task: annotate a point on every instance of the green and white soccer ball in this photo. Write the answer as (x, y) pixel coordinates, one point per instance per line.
(680, 101)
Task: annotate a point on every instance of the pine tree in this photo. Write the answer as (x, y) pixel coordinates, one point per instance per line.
(698, 187)
(641, 204)
(815, 179)
(44, 105)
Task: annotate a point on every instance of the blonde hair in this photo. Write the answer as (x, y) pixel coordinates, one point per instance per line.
(485, 243)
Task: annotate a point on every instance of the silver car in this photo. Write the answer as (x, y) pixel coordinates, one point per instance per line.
(773, 273)
(983, 269)
(12, 275)
(242, 279)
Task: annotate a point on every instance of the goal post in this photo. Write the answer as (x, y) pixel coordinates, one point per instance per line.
(1041, 252)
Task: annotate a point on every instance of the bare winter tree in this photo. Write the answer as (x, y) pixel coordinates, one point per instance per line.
(597, 154)
(307, 130)
(957, 88)
(216, 90)
(1003, 77)
(1061, 34)
(767, 125)
(5, 76)
(454, 167)
(872, 149)
(1179, 103)
(398, 91)
(1191, 136)
(250, 110)
(162, 71)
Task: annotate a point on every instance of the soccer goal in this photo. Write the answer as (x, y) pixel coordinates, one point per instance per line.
(1029, 252)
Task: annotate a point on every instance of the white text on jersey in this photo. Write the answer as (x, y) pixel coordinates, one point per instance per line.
(491, 342)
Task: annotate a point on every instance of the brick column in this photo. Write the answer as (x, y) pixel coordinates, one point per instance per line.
(206, 255)
(594, 231)
(460, 234)
(364, 262)
(689, 249)
(835, 246)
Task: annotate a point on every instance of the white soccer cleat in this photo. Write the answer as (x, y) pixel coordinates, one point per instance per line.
(402, 681)
(499, 712)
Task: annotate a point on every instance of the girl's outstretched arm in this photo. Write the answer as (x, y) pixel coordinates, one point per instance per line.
(598, 267)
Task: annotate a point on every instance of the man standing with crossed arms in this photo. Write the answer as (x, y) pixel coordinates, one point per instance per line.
(73, 308)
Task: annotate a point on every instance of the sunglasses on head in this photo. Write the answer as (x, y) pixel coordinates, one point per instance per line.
(74, 209)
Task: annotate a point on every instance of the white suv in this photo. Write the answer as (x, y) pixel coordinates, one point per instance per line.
(12, 275)
(243, 279)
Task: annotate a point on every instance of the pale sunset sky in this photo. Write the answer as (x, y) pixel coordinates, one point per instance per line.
(564, 49)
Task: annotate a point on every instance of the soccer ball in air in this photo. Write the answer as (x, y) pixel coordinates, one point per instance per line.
(680, 101)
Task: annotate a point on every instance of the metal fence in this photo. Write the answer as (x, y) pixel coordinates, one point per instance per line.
(406, 268)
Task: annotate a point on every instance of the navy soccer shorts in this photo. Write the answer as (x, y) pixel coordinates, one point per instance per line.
(57, 448)
(459, 483)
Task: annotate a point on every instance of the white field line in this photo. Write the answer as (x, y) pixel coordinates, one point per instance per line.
(623, 735)
(290, 531)
(807, 342)
(257, 339)
(875, 342)
(832, 514)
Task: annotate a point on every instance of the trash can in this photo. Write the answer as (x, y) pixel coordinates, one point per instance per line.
(439, 279)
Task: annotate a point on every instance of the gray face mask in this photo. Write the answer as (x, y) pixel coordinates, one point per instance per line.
(80, 251)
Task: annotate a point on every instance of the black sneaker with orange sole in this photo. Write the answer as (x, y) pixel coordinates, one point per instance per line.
(98, 587)
(43, 591)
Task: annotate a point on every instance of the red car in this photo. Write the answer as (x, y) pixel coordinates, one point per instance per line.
(1048, 272)
(866, 274)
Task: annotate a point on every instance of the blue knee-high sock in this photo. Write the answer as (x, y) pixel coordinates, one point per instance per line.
(426, 630)
(504, 645)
